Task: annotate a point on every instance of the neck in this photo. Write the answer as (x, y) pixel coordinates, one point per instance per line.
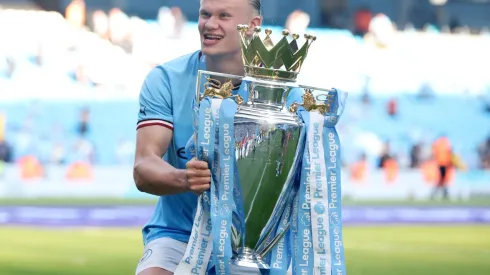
(226, 64)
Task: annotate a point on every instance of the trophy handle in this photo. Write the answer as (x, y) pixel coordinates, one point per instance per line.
(199, 83)
(213, 92)
(321, 99)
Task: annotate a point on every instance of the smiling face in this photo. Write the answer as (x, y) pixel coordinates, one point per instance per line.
(218, 20)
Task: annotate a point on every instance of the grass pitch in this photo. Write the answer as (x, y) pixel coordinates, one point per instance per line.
(393, 250)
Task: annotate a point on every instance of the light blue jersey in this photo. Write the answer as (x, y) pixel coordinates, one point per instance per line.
(166, 99)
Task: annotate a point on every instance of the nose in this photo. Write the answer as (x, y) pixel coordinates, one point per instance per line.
(211, 24)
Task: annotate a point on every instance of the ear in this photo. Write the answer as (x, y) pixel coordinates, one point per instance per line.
(255, 22)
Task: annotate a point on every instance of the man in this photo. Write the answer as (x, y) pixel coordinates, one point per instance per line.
(165, 126)
(442, 152)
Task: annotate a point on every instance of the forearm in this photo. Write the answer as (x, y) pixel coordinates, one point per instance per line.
(155, 176)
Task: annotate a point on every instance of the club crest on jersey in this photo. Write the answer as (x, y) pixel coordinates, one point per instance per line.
(143, 110)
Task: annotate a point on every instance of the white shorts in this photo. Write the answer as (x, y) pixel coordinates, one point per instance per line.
(166, 253)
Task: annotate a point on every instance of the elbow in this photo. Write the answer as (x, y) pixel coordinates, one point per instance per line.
(138, 179)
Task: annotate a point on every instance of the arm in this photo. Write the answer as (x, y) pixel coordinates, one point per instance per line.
(151, 173)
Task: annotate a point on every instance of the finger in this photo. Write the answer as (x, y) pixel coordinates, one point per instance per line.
(198, 164)
(190, 162)
(200, 188)
(192, 173)
(199, 181)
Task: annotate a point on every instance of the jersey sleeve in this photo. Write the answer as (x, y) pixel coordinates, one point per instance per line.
(155, 101)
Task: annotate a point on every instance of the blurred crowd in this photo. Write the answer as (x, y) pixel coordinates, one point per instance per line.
(109, 52)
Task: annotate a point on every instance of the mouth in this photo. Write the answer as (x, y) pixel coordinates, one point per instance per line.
(213, 37)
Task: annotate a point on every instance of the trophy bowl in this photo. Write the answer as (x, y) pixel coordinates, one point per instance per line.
(267, 140)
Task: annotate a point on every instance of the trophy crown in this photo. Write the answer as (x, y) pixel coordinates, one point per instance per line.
(263, 58)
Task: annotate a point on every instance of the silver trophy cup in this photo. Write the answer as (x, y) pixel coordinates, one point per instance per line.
(266, 143)
(267, 135)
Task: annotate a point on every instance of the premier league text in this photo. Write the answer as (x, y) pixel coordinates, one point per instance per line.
(203, 245)
(320, 225)
(226, 157)
(208, 122)
(333, 205)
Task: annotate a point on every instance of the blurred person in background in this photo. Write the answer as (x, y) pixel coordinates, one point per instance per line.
(416, 156)
(362, 19)
(484, 154)
(84, 122)
(166, 97)
(180, 21)
(442, 152)
(392, 108)
(166, 20)
(454, 24)
(5, 148)
(5, 151)
(76, 13)
(119, 30)
(385, 155)
(100, 24)
(358, 170)
(172, 21)
(381, 31)
(391, 169)
(298, 21)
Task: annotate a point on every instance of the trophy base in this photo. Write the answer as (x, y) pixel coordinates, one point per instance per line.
(246, 257)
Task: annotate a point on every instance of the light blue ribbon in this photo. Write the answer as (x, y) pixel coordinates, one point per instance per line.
(304, 242)
(331, 143)
(316, 231)
(226, 191)
(199, 248)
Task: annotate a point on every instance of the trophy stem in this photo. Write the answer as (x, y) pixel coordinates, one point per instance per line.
(247, 258)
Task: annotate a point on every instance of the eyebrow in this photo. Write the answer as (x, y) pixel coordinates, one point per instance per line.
(223, 10)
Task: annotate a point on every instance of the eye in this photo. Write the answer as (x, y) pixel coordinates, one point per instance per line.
(224, 15)
(205, 14)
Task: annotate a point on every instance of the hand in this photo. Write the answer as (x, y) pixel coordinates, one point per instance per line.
(198, 176)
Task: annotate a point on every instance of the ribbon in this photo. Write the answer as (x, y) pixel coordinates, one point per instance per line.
(216, 140)
(316, 237)
(318, 194)
(304, 244)
(331, 145)
(199, 248)
(226, 191)
(281, 254)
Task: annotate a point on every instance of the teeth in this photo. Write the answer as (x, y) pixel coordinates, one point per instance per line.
(213, 37)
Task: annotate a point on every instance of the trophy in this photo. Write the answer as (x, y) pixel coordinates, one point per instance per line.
(267, 136)
(258, 141)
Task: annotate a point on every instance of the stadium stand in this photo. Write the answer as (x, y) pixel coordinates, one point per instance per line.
(46, 60)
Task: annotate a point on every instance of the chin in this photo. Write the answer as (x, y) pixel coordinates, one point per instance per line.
(211, 51)
(215, 51)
